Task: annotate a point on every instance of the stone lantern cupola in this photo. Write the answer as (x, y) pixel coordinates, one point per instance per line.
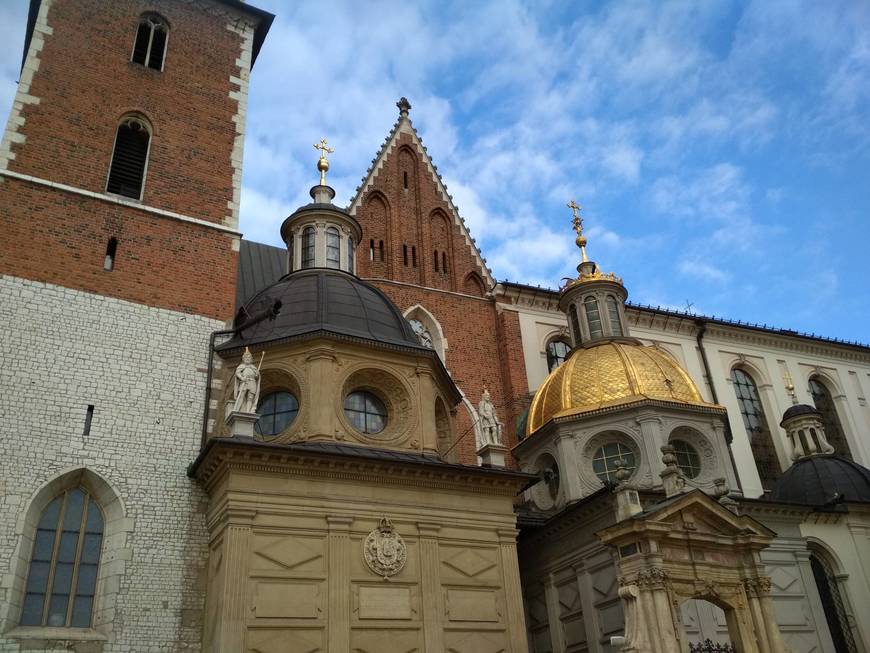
(320, 234)
(595, 301)
(804, 428)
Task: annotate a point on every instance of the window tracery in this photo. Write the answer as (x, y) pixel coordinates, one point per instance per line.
(149, 48)
(129, 158)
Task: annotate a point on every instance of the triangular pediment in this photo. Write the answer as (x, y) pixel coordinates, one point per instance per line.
(404, 132)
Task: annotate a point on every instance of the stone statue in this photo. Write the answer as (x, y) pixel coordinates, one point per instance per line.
(247, 384)
(422, 334)
(490, 426)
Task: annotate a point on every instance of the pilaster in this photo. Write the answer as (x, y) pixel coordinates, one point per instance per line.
(430, 587)
(339, 583)
(516, 620)
(551, 596)
(232, 607)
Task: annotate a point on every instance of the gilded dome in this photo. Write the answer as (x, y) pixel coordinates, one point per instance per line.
(611, 374)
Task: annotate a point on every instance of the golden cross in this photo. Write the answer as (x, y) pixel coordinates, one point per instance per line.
(323, 147)
(789, 387)
(578, 221)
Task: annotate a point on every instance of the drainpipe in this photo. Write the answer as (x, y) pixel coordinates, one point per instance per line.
(702, 329)
(270, 313)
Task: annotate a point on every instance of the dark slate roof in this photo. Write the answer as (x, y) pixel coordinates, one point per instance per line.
(823, 480)
(263, 18)
(319, 300)
(799, 409)
(259, 266)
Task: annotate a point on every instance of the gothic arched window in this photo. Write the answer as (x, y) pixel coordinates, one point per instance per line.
(129, 158)
(755, 423)
(62, 578)
(333, 248)
(613, 316)
(557, 352)
(833, 428)
(308, 238)
(593, 317)
(150, 46)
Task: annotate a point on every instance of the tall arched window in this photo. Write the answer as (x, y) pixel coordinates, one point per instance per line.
(308, 247)
(350, 254)
(613, 316)
(333, 248)
(129, 158)
(833, 428)
(832, 604)
(62, 577)
(557, 352)
(150, 46)
(575, 324)
(756, 427)
(593, 317)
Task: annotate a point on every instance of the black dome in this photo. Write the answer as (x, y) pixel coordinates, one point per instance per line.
(323, 300)
(823, 479)
(799, 409)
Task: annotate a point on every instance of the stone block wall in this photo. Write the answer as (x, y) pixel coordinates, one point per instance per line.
(143, 371)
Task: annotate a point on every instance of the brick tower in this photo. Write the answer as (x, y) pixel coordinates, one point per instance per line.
(417, 248)
(120, 175)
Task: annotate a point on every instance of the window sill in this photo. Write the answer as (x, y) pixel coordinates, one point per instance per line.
(49, 633)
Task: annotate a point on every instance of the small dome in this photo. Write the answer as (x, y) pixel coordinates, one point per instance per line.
(799, 409)
(324, 300)
(611, 374)
(823, 479)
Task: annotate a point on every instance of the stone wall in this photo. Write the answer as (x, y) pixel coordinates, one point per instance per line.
(143, 371)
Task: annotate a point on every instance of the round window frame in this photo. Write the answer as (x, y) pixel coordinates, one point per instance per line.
(393, 391)
(289, 425)
(366, 392)
(619, 443)
(691, 451)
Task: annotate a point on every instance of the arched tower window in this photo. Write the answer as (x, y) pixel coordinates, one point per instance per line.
(593, 317)
(308, 238)
(557, 352)
(613, 316)
(755, 423)
(62, 578)
(575, 324)
(151, 38)
(129, 158)
(833, 428)
(333, 248)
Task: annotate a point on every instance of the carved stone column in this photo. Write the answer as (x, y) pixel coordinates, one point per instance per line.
(339, 584)
(233, 606)
(766, 629)
(430, 586)
(591, 622)
(516, 619)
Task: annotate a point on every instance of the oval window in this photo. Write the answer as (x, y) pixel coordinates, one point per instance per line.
(277, 411)
(365, 412)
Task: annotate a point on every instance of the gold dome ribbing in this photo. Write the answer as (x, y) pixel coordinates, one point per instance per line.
(610, 374)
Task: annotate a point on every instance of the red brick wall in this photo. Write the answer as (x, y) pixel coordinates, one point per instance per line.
(61, 238)
(484, 349)
(85, 83)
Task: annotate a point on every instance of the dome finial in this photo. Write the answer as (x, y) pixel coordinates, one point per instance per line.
(322, 162)
(404, 107)
(578, 227)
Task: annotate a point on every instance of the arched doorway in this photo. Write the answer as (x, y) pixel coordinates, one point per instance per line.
(832, 603)
(705, 626)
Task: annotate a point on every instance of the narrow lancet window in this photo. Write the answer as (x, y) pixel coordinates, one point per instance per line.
(129, 158)
(111, 251)
(150, 46)
(333, 248)
(308, 247)
(613, 316)
(593, 317)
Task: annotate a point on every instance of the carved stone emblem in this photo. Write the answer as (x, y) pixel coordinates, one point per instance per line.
(384, 549)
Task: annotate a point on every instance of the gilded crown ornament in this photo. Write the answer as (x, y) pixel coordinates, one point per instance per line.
(323, 162)
(588, 270)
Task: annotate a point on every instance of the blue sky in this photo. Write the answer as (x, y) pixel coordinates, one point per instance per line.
(720, 149)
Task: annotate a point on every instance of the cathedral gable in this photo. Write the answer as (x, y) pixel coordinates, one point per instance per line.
(412, 231)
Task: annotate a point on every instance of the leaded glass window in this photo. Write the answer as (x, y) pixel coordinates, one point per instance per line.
(365, 411)
(755, 423)
(62, 578)
(605, 459)
(613, 316)
(277, 411)
(575, 323)
(833, 428)
(593, 317)
(557, 352)
(308, 239)
(350, 255)
(688, 459)
(333, 248)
